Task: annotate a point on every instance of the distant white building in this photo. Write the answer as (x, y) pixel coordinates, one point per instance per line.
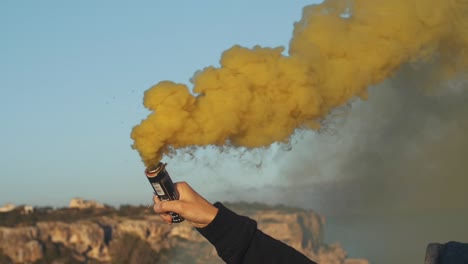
(27, 209)
(81, 203)
(7, 208)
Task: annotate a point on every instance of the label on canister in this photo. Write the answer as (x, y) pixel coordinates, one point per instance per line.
(157, 187)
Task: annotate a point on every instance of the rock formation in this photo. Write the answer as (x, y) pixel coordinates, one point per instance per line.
(7, 208)
(100, 238)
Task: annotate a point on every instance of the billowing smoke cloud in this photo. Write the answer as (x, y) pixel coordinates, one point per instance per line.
(414, 160)
(401, 152)
(339, 48)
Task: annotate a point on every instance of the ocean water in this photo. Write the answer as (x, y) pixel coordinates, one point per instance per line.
(400, 238)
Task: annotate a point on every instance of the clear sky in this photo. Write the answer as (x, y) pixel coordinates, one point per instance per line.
(72, 78)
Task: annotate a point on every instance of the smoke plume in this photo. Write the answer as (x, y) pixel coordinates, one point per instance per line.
(402, 151)
(339, 48)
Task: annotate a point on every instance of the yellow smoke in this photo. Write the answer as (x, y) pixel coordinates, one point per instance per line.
(339, 48)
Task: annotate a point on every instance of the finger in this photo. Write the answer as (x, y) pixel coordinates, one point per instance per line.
(156, 199)
(166, 218)
(157, 208)
(161, 207)
(169, 206)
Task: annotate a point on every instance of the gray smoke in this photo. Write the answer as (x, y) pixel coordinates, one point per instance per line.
(402, 150)
(394, 176)
(389, 173)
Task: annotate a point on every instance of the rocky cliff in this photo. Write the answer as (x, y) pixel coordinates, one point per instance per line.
(140, 237)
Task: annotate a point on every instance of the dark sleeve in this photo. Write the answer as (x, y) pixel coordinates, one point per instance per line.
(237, 240)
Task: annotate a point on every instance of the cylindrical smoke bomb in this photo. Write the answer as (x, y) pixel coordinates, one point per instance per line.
(163, 186)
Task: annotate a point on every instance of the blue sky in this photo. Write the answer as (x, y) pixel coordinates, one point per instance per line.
(72, 78)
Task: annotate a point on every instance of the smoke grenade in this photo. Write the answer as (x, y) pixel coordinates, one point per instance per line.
(163, 186)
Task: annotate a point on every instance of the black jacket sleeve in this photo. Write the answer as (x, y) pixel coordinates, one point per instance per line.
(237, 240)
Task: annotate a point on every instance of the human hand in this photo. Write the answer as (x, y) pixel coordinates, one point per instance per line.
(191, 206)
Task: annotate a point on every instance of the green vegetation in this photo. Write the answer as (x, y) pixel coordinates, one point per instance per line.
(134, 212)
(57, 252)
(4, 259)
(247, 207)
(17, 218)
(130, 249)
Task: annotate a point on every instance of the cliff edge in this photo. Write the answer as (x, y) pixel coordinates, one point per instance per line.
(136, 235)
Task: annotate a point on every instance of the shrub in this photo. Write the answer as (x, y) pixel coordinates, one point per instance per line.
(130, 249)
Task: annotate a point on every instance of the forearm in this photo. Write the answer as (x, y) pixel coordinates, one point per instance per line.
(237, 240)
